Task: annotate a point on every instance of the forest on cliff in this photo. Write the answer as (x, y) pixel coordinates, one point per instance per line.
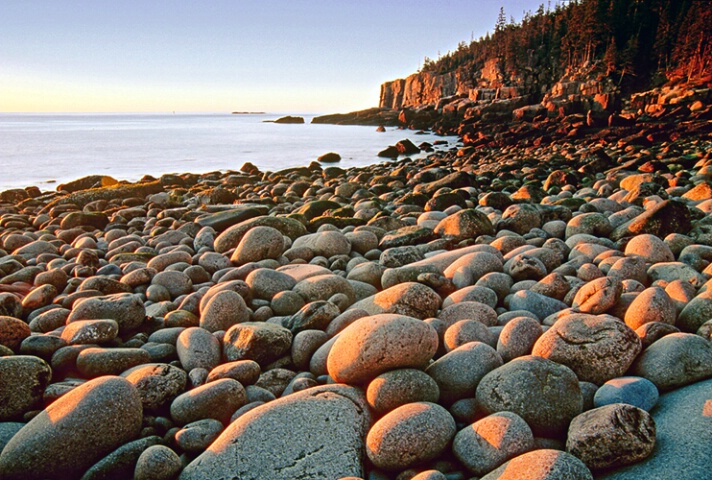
(639, 43)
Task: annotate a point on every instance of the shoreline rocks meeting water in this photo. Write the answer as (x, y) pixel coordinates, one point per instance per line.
(532, 312)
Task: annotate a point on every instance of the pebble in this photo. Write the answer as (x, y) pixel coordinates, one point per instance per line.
(198, 348)
(544, 464)
(636, 391)
(158, 384)
(90, 332)
(23, 379)
(158, 462)
(258, 341)
(394, 388)
(218, 400)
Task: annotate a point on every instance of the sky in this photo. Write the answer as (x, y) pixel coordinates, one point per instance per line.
(308, 56)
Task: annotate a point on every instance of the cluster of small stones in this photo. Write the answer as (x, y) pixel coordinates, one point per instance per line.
(511, 314)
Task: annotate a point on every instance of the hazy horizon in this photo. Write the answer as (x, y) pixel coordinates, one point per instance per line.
(223, 56)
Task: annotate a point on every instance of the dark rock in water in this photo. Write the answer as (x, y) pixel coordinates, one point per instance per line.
(290, 119)
(330, 157)
(406, 147)
(390, 152)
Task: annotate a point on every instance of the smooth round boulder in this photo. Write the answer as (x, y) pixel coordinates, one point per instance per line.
(394, 388)
(126, 309)
(598, 295)
(517, 337)
(83, 332)
(675, 360)
(596, 347)
(409, 298)
(94, 362)
(326, 244)
(196, 436)
(488, 443)
(75, 431)
(23, 379)
(458, 372)
(314, 433)
(198, 348)
(12, 332)
(158, 462)
(225, 309)
(217, 400)
(259, 243)
(157, 383)
(637, 391)
(544, 464)
(651, 305)
(611, 436)
(398, 441)
(650, 247)
(375, 344)
(262, 342)
(266, 283)
(544, 393)
(469, 310)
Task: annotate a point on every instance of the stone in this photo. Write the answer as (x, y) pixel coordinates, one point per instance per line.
(650, 247)
(378, 343)
(520, 218)
(120, 463)
(225, 309)
(672, 271)
(95, 362)
(312, 316)
(265, 283)
(464, 224)
(544, 464)
(262, 342)
(396, 441)
(76, 431)
(458, 372)
(683, 424)
(696, 312)
(90, 332)
(598, 295)
(394, 388)
(544, 393)
(304, 345)
(259, 243)
(466, 331)
(636, 391)
(596, 348)
(675, 360)
(611, 436)
(323, 287)
(488, 443)
(158, 384)
(125, 308)
(669, 216)
(197, 436)
(158, 462)
(12, 332)
(536, 303)
(217, 400)
(198, 348)
(651, 305)
(23, 379)
(330, 423)
(326, 244)
(477, 311)
(231, 237)
(409, 298)
(518, 337)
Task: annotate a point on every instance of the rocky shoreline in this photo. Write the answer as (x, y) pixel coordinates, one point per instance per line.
(526, 306)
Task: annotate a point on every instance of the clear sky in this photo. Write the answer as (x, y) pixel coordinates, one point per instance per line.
(310, 56)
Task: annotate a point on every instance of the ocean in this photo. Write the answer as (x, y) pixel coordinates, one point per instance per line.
(47, 149)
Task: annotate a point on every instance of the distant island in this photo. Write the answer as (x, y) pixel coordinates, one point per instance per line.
(248, 113)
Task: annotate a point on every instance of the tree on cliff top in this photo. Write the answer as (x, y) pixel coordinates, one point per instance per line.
(633, 38)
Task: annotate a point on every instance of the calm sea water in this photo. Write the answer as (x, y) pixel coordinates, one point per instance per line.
(48, 149)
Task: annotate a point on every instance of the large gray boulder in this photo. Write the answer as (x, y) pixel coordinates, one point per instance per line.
(315, 433)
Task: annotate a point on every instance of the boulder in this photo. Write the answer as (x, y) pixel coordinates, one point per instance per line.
(544, 464)
(315, 433)
(375, 344)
